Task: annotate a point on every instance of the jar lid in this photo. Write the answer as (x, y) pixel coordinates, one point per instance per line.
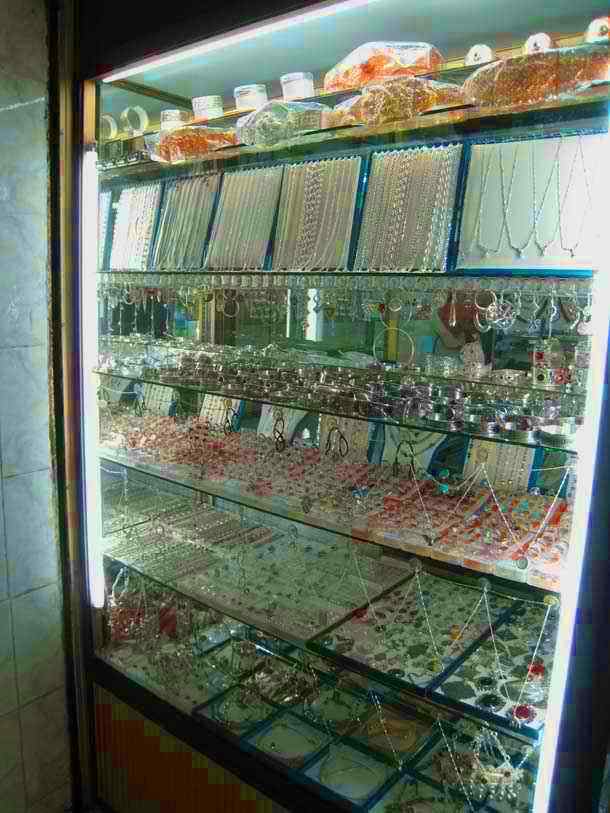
(175, 115)
(250, 89)
(293, 77)
(207, 101)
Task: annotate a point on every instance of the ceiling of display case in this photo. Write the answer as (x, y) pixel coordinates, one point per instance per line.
(317, 44)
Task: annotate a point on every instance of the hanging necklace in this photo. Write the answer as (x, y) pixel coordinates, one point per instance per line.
(571, 250)
(478, 238)
(507, 200)
(542, 247)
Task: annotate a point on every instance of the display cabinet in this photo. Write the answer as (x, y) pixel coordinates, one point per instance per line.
(344, 362)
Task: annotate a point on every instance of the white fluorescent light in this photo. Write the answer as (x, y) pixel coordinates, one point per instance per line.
(89, 347)
(247, 32)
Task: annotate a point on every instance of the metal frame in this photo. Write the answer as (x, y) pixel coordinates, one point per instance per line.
(581, 751)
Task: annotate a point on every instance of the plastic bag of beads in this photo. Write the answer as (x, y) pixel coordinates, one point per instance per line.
(535, 78)
(406, 97)
(344, 114)
(395, 99)
(375, 61)
(191, 143)
(278, 121)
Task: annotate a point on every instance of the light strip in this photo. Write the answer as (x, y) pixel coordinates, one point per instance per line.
(570, 584)
(89, 339)
(248, 32)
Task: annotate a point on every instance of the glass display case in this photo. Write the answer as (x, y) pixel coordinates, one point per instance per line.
(342, 392)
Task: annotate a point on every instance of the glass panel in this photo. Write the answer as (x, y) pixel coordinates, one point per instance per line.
(342, 361)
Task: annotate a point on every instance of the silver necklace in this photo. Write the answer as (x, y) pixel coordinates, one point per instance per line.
(506, 202)
(571, 250)
(542, 247)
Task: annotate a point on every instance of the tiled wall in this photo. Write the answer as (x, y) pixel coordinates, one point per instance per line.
(34, 765)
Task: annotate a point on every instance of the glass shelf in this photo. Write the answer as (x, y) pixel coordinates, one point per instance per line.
(256, 575)
(364, 627)
(558, 113)
(461, 279)
(235, 392)
(543, 571)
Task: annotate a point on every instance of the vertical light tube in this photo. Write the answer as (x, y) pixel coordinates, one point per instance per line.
(585, 472)
(89, 346)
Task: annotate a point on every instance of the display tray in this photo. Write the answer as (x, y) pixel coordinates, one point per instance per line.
(350, 773)
(507, 676)
(415, 794)
(492, 770)
(121, 511)
(276, 583)
(418, 632)
(194, 686)
(547, 557)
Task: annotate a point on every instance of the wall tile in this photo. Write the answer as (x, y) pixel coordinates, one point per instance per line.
(54, 803)
(12, 791)
(23, 57)
(23, 222)
(24, 410)
(23, 301)
(8, 687)
(3, 562)
(46, 755)
(37, 624)
(30, 547)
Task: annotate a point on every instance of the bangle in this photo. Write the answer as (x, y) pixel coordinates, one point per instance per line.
(127, 120)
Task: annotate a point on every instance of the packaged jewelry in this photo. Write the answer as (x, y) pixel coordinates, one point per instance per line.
(376, 61)
(408, 210)
(533, 204)
(538, 76)
(278, 121)
(193, 142)
(316, 215)
(395, 99)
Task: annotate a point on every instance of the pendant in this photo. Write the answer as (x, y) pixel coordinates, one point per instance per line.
(524, 713)
(492, 701)
(485, 683)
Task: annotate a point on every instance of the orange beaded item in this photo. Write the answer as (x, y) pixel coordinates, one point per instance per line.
(191, 143)
(375, 61)
(536, 78)
(395, 99)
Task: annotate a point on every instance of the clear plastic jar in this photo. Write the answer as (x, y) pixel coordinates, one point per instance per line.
(170, 119)
(207, 107)
(250, 97)
(297, 86)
